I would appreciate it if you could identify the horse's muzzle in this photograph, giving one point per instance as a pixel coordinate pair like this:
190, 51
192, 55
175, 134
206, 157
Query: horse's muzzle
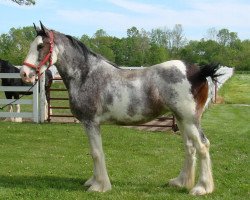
27, 75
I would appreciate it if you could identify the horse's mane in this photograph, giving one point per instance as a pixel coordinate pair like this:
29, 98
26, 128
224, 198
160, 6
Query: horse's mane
86, 51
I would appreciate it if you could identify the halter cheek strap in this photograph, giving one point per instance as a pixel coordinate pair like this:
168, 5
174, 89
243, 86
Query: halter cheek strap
47, 58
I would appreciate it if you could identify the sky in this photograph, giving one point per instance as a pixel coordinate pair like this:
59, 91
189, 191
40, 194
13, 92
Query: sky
78, 17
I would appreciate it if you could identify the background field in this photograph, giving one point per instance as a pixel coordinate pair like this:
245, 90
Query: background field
52, 161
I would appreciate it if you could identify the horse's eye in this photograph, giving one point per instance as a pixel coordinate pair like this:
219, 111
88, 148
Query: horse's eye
40, 46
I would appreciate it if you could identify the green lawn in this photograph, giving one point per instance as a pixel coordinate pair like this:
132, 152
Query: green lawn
52, 161
237, 89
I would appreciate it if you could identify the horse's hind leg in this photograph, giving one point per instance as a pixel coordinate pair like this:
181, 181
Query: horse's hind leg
201, 144
195, 141
205, 183
186, 177
100, 181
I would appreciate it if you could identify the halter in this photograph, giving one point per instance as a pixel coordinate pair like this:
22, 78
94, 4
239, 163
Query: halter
47, 58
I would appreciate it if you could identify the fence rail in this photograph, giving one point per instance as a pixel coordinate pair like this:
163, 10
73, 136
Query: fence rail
34, 115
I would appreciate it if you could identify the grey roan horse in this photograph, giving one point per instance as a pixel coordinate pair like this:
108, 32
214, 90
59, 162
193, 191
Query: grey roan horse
99, 91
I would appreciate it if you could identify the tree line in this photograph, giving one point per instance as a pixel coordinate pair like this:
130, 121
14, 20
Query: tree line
145, 48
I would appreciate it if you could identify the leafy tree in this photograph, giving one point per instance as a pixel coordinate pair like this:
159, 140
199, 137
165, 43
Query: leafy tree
160, 37
211, 34
101, 43
201, 52
225, 37
156, 54
14, 46
145, 48
25, 2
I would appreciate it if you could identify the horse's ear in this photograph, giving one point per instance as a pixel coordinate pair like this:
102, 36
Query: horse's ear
36, 28
43, 28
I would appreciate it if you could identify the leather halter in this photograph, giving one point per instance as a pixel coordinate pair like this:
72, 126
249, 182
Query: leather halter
47, 58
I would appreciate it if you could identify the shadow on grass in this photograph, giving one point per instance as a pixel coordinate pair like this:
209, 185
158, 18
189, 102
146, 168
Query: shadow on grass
150, 188
42, 182
76, 184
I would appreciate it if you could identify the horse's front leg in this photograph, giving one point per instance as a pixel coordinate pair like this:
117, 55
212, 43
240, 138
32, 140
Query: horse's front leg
18, 110
10, 110
100, 181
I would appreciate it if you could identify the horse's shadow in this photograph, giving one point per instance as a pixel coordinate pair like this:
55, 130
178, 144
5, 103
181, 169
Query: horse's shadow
42, 182
74, 184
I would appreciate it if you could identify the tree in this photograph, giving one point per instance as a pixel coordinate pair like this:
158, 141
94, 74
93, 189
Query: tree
177, 40
137, 45
14, 46
225, 37
25, 2
156, 54
212, 34
102, 43
160, 37
243, 57
201, 52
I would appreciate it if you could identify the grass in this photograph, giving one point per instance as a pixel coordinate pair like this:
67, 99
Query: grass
52, 161
237, 89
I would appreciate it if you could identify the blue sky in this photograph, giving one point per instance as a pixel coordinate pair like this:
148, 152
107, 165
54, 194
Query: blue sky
78, 17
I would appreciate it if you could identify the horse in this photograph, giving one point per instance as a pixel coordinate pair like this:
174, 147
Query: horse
7, 67
100, 91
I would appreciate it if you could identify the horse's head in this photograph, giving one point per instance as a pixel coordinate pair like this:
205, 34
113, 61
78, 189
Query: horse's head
42, 54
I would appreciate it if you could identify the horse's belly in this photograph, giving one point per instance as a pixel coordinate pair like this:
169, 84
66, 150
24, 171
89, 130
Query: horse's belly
121, 117
130, 115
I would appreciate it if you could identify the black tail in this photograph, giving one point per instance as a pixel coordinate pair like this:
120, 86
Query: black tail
197, 75
209, 70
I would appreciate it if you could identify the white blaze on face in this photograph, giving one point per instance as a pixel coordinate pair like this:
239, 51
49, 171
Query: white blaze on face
27, 73
32, 56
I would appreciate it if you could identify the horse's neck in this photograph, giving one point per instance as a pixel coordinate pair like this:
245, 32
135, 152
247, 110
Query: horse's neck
73, 67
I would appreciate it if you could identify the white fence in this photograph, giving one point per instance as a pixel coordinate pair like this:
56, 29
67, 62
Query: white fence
37, 114
226, 73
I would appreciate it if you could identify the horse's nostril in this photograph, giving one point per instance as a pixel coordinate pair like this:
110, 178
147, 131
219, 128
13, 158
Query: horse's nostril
24, 75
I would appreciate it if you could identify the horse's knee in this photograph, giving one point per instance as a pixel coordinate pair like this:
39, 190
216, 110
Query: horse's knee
96, 154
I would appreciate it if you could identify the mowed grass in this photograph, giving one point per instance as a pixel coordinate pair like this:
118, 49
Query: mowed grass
52, 161
237, 89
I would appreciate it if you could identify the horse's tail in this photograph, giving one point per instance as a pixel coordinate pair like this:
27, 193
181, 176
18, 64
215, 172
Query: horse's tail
209, 70
199, 85
200, 74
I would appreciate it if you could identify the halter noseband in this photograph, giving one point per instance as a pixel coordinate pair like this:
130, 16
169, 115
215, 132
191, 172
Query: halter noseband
47, 58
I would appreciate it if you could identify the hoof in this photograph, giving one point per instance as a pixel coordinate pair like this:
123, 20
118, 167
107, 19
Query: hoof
97, 186
175, 182
89, 182
181, 183
200, 190
19, 120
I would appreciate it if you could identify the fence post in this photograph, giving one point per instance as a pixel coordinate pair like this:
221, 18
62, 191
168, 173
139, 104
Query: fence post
43, 102
35, 104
